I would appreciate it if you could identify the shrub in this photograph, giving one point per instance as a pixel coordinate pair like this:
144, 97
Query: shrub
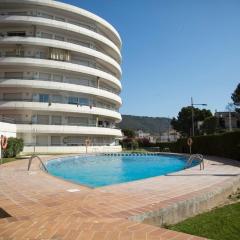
14, 147
129, 143
222, 145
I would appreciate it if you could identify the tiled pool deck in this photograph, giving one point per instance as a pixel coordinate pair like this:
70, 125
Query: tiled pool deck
42, 208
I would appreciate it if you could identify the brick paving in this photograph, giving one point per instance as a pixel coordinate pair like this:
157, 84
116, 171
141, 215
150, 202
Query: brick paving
42, 207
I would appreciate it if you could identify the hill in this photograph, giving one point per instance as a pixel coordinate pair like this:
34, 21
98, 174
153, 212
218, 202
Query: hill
152, 125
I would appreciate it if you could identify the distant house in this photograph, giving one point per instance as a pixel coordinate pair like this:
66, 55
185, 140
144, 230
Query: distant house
224, 119
140, 134
169, 136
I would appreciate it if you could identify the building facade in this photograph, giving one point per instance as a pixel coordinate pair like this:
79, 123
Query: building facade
228, 120
59, 76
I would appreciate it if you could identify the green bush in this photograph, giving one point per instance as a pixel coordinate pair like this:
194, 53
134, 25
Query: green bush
129, 143
222, 145
14, 147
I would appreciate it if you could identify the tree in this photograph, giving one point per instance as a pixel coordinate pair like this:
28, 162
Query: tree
183, 122
236, 98
128, 133
209, 125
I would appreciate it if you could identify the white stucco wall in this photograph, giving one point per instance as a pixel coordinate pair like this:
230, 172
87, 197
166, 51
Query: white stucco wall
8, 129
71, 149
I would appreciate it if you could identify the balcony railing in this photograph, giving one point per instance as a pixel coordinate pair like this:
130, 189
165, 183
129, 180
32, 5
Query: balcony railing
56, 18
46, 57
17, 121
98, 49
49, 103
52, 80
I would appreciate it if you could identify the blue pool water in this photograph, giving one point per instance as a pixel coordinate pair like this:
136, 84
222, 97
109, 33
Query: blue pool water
97, 171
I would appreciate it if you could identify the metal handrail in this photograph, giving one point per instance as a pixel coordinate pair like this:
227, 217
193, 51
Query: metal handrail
198, 157
36, 156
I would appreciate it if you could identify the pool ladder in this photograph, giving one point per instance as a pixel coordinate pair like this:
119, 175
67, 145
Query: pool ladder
198, 157
36, 156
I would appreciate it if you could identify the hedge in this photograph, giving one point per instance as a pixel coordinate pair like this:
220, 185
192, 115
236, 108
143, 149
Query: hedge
222, 145
14, 147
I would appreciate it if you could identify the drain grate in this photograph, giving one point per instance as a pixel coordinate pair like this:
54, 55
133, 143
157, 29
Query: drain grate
4, 214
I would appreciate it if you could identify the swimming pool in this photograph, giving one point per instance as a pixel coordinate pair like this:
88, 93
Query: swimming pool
102, 170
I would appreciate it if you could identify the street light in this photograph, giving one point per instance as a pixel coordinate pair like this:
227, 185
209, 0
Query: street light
195, 104
230, 108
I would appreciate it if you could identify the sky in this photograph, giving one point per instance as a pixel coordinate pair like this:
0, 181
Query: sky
174, 50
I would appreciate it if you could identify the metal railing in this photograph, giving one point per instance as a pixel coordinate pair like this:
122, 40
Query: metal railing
30, 162
196, 157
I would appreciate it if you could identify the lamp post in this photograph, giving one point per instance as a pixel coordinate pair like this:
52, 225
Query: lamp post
230, 109
192, 105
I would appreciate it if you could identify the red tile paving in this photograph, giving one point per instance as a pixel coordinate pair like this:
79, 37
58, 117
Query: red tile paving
42, 208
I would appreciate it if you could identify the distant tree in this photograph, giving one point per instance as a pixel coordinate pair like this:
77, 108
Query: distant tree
128, 133
183, 122
236, 98
209, 125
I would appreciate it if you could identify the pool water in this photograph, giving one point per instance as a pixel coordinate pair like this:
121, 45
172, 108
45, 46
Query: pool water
97, 171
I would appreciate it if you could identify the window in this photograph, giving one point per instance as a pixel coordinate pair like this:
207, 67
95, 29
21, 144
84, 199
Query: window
57, 78
44, 76
73, 120
11, 53
84, 101
12, 96
56, 120
73, 100
43, 97
19, 34
60, 38
59, 19
59, 54
42, 140
42, 119
46, 35
86, 44
45, 15
14, 75
55, 140
56, 98
17, 13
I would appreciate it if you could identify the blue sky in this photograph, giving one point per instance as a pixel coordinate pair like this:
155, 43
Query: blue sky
174, 49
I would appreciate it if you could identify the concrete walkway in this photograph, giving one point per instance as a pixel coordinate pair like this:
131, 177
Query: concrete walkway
45, 207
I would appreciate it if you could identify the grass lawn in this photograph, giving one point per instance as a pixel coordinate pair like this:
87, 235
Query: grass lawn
219, 224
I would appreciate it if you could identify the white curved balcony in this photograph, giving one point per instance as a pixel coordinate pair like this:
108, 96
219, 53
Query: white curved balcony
35, 41
58, 65
65, 129
59, 107
71, 9
61, 26
66, 87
